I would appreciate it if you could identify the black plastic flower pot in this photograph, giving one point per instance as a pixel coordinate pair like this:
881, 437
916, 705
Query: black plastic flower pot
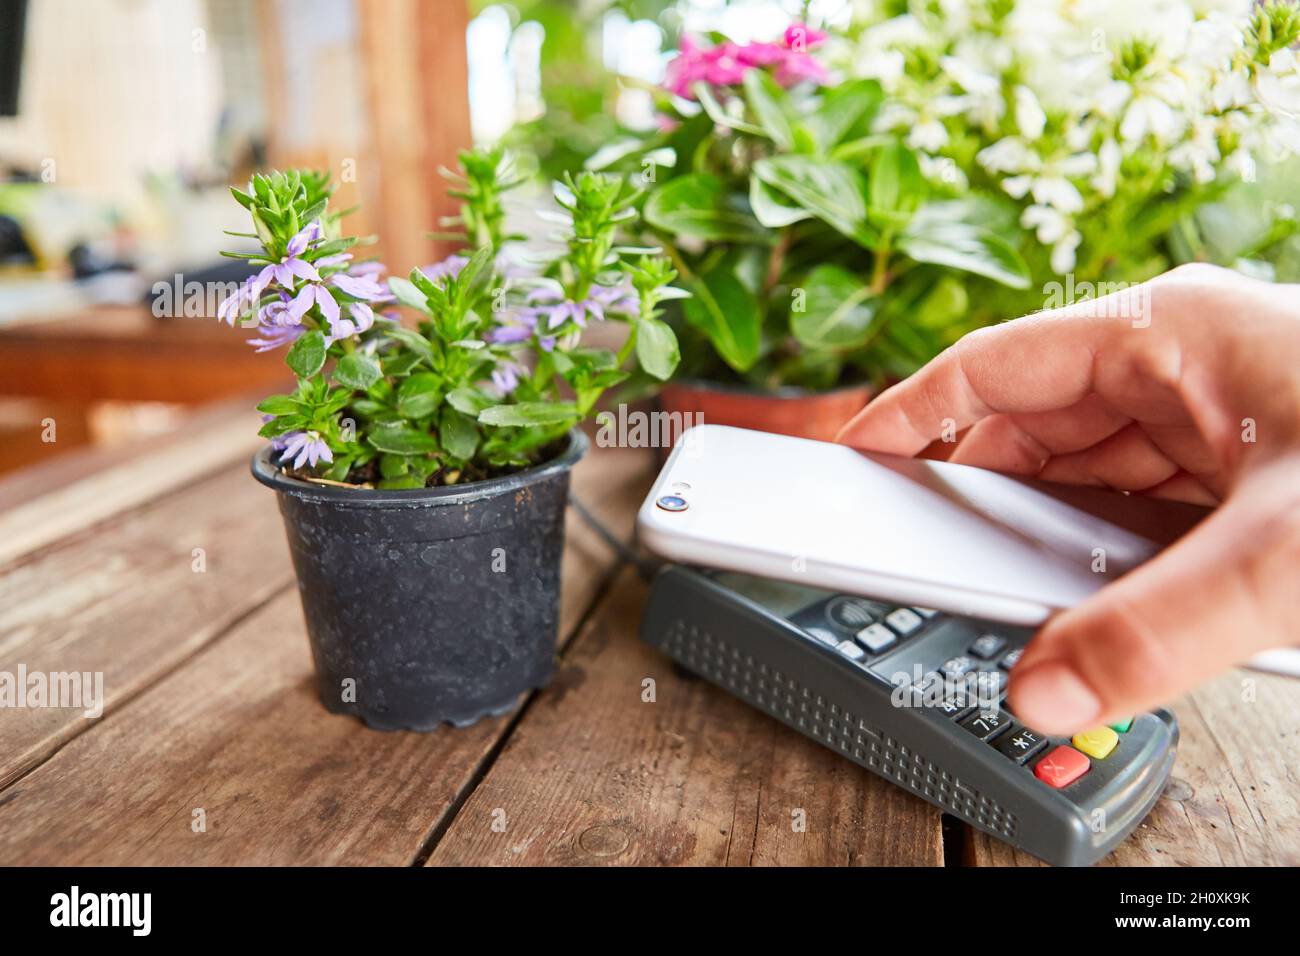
429, 605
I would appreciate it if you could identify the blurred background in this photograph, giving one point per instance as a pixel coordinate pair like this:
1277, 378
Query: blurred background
123, 122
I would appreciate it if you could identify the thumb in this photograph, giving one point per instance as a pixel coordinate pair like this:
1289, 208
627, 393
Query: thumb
1210, 601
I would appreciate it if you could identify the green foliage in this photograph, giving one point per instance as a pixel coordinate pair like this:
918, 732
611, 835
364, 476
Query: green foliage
492, 372
793, 227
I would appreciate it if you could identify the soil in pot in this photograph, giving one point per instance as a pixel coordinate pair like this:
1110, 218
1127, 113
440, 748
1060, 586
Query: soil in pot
793, 411
429, 605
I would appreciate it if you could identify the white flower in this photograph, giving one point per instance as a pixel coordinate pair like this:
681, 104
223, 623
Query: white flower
1058, 192
1230, 89
1212, 40
941, 169
1107, 175
1151, 115
1009, 155
1048, 182
1029, 114
1200, 152
970, 77
928, 135
1279, 86
1051, 228
883, 65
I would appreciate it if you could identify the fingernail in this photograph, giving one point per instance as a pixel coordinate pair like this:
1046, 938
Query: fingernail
1054, 699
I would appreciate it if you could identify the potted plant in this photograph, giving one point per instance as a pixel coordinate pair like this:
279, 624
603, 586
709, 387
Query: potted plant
820, 259
842, 207
1105, 130
422, 471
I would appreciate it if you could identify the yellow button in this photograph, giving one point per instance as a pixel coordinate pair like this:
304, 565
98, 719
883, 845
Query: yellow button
1096, 743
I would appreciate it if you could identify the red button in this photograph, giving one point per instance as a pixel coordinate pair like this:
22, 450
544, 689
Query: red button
1061, 767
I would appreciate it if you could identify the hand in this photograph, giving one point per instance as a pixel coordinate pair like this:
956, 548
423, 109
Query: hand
1185, 387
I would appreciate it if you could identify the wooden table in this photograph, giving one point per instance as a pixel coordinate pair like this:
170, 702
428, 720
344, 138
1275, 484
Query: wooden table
213, 748
68, 365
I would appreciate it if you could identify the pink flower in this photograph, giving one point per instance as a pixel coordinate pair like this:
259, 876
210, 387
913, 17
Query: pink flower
800, 37
798, 67
762, 54
727, 63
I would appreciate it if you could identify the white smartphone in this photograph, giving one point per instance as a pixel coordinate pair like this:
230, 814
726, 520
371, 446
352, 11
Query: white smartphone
917, 532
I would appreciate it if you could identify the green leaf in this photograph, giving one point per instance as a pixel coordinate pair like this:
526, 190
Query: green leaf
402, 440
965, 247
698, 205
394, 466
338, 471
772, 208
838, 310
401, 483
285, 423
279, 405
944, 303
764, 98
728, 313
845, 110
833, 192
529, 413
357, 370
413, 340
399, 363
307, 355
713, 109
471, 401
656, 348
474, 269
897, 186
407, 294
419, 395
459, 433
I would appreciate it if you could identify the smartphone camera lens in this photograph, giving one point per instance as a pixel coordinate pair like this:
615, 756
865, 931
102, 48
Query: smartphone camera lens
672, 503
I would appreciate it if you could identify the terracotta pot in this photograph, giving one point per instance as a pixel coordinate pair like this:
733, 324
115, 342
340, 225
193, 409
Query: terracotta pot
786, 411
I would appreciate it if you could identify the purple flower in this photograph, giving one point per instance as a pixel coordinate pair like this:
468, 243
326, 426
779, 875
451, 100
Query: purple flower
363, 317
616, 298
506, 376
308, 446
450, 266
249, 294
238, 302
278, 441
277, 312
516, 328
291, 265
557, 311
314, 293
272, 336
556, 314
358, 286
329, 262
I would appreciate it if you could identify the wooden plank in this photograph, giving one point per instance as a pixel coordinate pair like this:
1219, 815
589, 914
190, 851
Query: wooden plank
237, 731
60, 469
124, 599
191, 456
126, 354
1233, 798
596, 775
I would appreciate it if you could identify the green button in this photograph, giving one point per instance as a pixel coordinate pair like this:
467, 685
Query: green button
1122, 726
